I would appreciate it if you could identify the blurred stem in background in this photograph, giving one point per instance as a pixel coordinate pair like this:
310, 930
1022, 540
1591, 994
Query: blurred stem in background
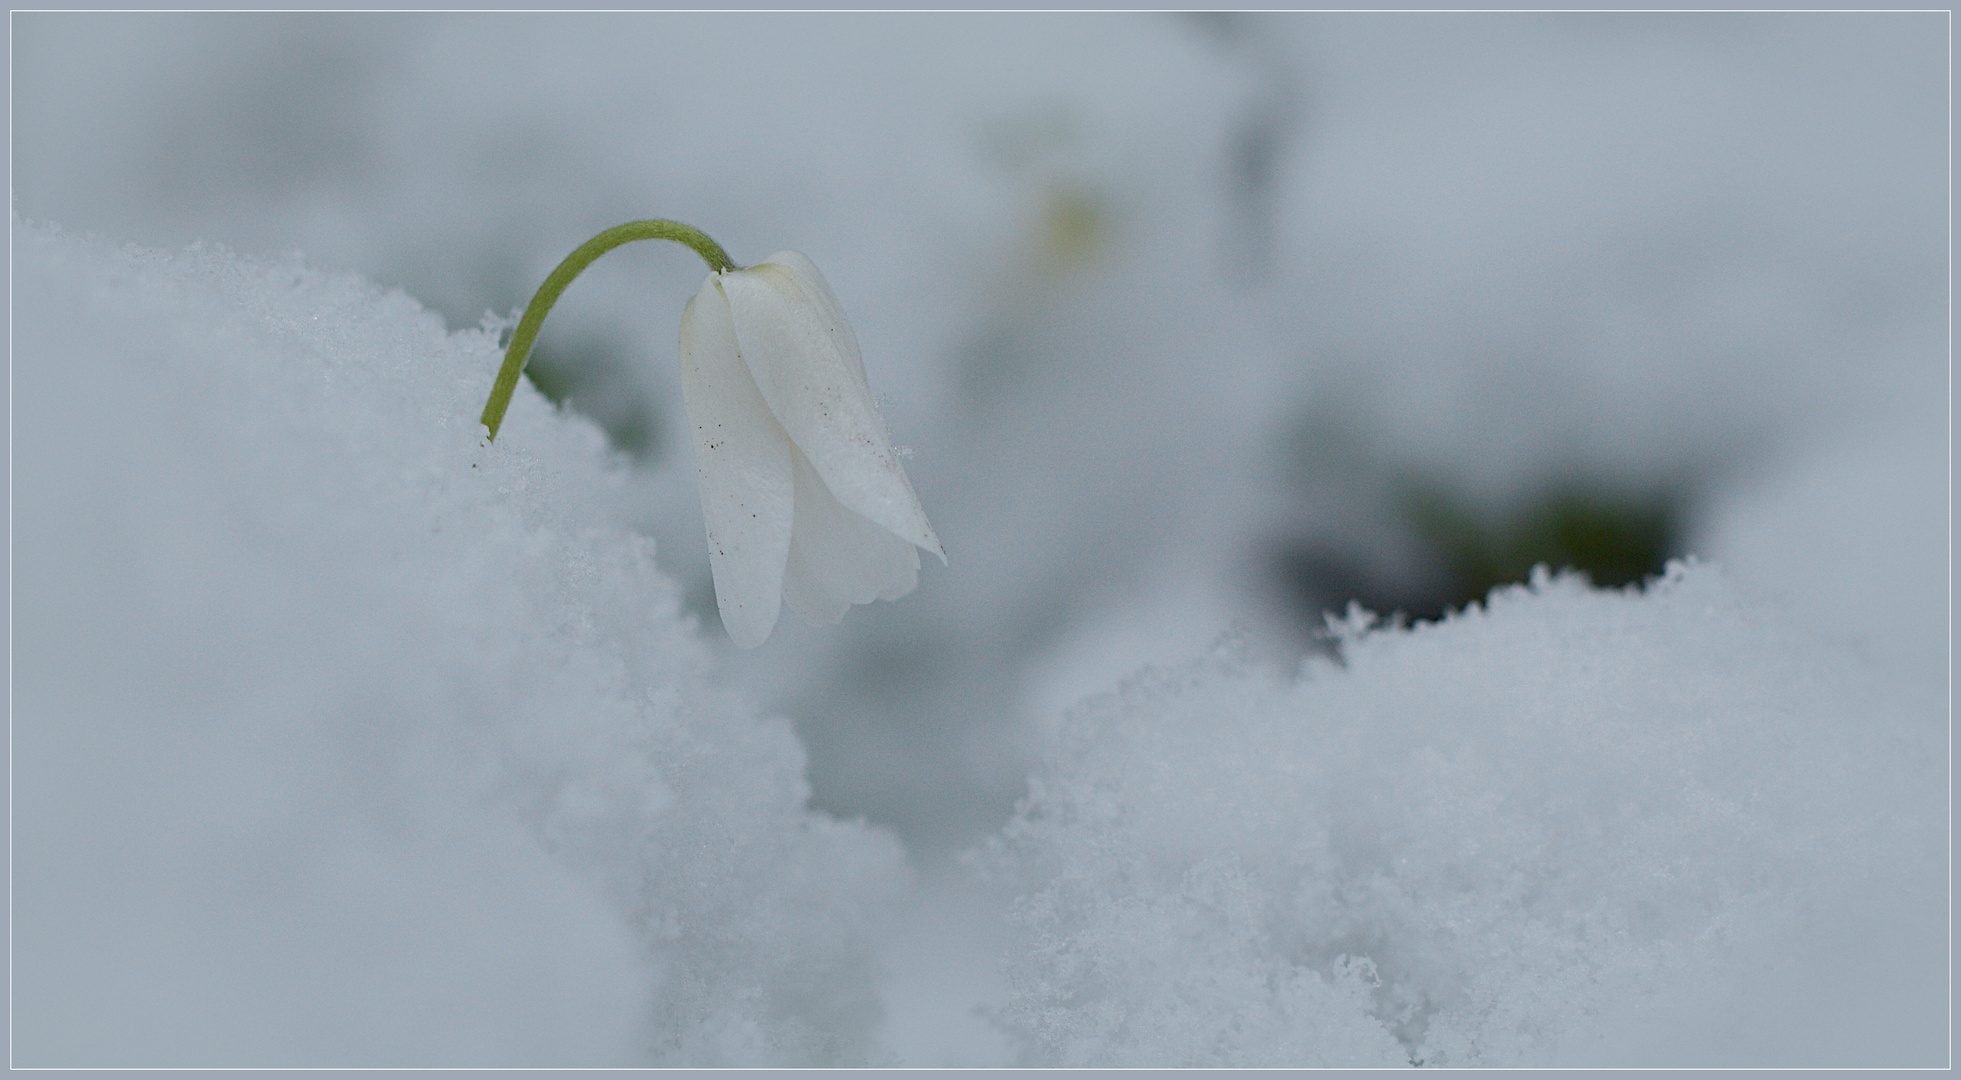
1270, 129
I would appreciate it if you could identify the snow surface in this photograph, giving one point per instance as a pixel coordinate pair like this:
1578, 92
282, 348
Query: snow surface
1577, 827
1153, 298
343, 739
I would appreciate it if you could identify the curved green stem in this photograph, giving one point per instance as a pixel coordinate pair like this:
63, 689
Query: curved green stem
547, 295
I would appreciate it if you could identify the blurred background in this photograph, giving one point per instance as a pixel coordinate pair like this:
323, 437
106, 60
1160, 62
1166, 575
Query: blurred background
1196, 325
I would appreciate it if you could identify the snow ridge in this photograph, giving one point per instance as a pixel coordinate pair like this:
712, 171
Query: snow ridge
1573, 827
344, 739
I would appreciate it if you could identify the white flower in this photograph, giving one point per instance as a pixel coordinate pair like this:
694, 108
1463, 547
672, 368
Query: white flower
805, 501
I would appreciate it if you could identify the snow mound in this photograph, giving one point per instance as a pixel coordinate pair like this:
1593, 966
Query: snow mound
1574, 826
341, 738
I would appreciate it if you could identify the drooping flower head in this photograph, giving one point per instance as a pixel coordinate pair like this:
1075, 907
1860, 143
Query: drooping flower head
804, 498
805, 501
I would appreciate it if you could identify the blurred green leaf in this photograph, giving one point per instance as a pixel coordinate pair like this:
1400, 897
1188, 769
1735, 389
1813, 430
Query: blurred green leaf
1614, 536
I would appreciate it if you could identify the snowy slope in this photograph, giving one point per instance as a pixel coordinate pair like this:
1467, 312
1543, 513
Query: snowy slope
1580, 827
343, 739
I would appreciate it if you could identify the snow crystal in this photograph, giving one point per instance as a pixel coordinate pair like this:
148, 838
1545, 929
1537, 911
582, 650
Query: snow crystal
1578, 827
342, 738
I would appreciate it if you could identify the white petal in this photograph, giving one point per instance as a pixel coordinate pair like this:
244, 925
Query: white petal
805, 361
846, 554
742, 460
805, 596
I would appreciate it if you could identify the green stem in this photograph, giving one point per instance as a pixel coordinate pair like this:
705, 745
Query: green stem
547, 295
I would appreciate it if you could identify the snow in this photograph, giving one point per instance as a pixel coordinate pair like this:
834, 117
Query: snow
1577, 827
1158, 303
343, 739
